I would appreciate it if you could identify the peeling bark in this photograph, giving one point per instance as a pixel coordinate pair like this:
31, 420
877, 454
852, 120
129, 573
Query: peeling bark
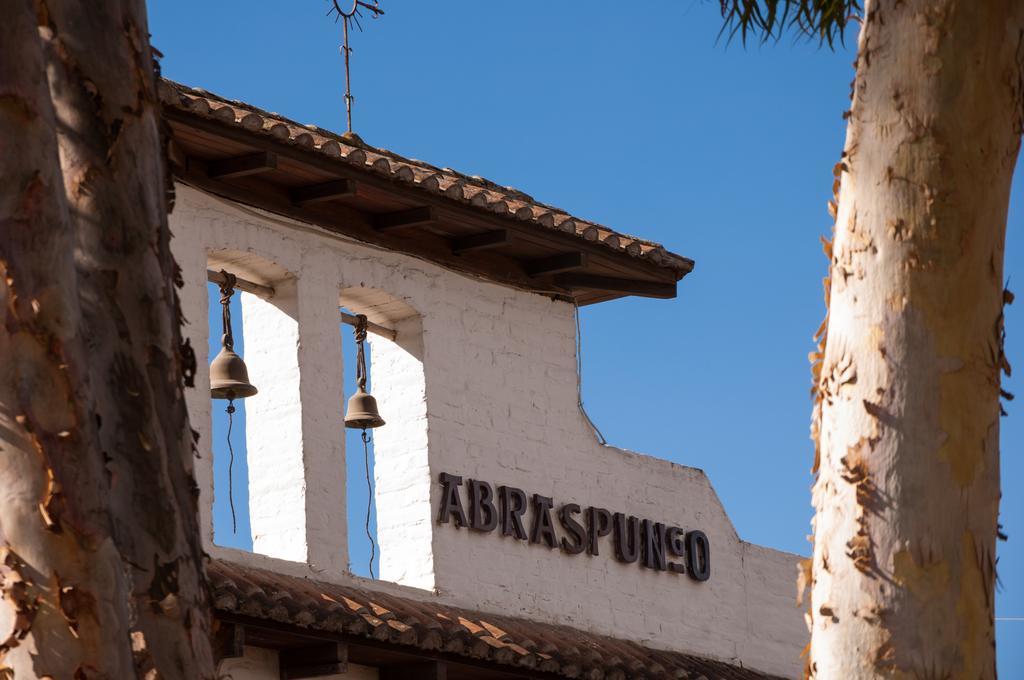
101, 572
908, 370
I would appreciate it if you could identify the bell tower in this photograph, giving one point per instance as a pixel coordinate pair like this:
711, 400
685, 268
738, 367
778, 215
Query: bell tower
492, 492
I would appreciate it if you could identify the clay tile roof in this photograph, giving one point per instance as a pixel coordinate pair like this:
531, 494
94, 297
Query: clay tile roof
429, 626
466, 189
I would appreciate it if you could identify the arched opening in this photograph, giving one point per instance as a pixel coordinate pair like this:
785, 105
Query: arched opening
231, 526
395, 462
242, 442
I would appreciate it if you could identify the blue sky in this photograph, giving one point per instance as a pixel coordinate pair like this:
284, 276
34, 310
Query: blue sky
641, 120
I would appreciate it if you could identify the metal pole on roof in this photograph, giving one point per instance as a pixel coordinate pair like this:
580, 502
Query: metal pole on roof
352, 14
348, 78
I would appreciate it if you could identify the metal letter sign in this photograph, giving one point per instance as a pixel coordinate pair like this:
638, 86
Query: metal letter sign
634, 540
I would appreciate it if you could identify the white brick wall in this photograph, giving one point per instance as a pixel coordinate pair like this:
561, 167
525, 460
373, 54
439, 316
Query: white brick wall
273, 441
401, 456
488, 391
294, 435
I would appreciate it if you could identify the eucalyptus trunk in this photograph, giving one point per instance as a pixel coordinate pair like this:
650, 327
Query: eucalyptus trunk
908, 373
101, 569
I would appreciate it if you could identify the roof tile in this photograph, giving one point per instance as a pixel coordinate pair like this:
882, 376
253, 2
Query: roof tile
473, 189
429, 625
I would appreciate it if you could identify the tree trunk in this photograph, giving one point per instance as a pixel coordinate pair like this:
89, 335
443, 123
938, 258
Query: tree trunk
102, 572
907, 415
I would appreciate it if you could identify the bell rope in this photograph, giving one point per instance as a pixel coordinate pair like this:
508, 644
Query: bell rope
360, 335
227, 289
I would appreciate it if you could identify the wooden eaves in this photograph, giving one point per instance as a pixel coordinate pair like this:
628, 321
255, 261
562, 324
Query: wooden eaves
467, 224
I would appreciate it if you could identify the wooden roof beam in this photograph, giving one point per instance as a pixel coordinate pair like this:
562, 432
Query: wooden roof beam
325, 191
554, 264
404, 219
483, 241
258, 289
314, 661
228, 641
419, 670
341, 218
241, 166
335, 167
610, 284
175, 154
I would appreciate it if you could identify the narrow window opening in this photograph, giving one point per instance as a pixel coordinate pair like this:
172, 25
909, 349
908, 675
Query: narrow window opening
230, 472
361, 511
399, 506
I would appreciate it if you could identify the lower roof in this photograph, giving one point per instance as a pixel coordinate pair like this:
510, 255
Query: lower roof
512, 647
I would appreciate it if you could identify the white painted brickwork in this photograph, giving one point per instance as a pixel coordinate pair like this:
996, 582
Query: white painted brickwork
482, 384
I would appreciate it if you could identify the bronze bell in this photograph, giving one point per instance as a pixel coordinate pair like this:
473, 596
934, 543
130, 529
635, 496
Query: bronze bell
362, 413
229, 379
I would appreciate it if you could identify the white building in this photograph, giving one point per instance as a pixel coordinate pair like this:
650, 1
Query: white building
513, 544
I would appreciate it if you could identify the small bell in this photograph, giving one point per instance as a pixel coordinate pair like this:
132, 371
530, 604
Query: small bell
362, 412
229, 379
